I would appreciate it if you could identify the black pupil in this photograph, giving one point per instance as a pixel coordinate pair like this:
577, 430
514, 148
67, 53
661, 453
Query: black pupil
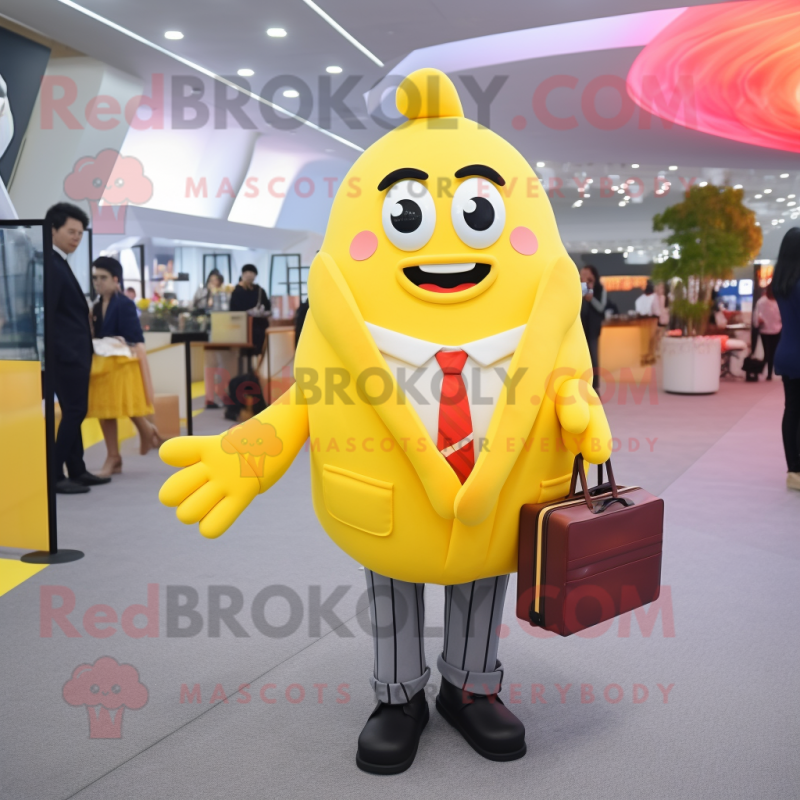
409, 219
482, 217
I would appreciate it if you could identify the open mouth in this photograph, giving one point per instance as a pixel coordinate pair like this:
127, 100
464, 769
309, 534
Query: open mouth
447, 278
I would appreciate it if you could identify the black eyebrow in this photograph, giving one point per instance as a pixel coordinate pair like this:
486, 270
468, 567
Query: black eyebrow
481, 171
402, 174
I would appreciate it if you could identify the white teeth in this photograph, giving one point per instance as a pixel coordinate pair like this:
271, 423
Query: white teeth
446, 269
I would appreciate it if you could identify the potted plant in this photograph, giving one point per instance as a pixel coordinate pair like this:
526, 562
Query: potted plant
712, 233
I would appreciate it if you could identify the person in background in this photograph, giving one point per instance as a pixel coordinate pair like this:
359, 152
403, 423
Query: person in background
768, 322
786, 288
130, 292
118, 386
72, 360
250, 297
204, 296
593, 310
647, 304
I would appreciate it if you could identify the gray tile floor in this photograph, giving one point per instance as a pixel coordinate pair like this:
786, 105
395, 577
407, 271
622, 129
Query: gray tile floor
728, 729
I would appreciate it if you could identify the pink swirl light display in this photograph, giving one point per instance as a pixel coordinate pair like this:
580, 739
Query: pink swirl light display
731, 70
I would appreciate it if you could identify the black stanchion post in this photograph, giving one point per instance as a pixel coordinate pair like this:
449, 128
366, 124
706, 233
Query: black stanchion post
189, 423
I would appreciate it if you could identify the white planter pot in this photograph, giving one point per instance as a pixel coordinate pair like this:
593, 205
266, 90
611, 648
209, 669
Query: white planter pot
691, 364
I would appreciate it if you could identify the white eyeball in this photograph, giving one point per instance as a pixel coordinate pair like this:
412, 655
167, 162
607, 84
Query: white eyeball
409, 215
478, 212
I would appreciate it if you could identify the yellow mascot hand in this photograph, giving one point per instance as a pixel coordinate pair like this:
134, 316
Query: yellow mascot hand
222, 474
583, 421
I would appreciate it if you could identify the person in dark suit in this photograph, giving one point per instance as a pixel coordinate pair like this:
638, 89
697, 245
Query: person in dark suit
593, 310
72, 360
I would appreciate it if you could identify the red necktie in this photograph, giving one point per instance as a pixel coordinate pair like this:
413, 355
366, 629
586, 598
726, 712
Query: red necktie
455, 420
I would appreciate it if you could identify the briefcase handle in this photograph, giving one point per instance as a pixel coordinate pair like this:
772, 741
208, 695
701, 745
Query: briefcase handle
594, 506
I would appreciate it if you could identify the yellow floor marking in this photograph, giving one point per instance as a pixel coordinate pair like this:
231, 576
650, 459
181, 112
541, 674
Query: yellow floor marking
13, 573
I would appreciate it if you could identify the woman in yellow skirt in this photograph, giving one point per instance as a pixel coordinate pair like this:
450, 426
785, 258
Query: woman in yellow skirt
120, 384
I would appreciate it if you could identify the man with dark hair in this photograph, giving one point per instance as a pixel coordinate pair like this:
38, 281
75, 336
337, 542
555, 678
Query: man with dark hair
72, 361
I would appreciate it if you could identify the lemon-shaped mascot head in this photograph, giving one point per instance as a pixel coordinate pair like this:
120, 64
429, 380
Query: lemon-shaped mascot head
441, 228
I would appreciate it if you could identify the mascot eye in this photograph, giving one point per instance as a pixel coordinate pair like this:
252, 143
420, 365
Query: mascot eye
119, 182
116, 688
94, 688
409, 215
478, 213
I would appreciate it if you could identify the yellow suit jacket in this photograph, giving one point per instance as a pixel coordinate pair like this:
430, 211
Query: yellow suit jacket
380, 488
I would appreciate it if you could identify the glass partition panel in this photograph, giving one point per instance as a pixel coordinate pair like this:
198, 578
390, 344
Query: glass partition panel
21, 292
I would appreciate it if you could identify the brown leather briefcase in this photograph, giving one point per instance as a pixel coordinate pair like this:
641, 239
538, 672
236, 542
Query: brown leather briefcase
590, 556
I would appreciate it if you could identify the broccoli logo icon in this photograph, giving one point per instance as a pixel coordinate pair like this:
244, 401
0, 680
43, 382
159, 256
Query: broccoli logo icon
253, 442
106, 688
115, 180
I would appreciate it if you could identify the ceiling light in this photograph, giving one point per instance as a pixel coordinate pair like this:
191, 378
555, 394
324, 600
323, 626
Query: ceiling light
634, 166
614, 188
622, 203
738, 186
590, 180
585, 195
173, 35
767, 191
672, 169
606, 251
577, 204
333, 70
781, 220
540, 164
595, 250
245, 73
703, 183
758, 196
785, 175
276, 33
621, 191
791, 196
792, 203
205, 71
291, 93
781, 200
337, 27
619, 249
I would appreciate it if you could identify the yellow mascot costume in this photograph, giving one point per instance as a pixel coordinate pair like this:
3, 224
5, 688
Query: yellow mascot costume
444, 380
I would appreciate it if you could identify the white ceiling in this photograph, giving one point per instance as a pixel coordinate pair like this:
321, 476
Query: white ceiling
226, 36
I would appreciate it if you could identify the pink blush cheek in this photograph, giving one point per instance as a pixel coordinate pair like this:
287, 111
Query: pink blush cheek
363, 246
524, 241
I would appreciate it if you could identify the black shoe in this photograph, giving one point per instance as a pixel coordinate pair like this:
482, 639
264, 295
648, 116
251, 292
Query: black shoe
66, 486
487, 725
232, 414
388, 743
212, 404
87, 479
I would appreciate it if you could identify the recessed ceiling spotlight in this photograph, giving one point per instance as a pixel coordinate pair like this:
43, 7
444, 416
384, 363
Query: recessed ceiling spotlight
791, 196
590, 180
619, 249
291, 93
245, 73
622, 203
276, 33
758, 196
767, 191
785, 175
173, 35
703, 183
672, 169
595, 250
634, 166
606, 251
781, 200
333, 70
791, 203
540, 164
738, 186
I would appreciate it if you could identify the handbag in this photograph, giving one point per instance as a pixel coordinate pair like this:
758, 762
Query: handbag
590, 556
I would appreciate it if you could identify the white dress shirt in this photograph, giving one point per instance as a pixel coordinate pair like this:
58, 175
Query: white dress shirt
60, 252
417, 372
647, 305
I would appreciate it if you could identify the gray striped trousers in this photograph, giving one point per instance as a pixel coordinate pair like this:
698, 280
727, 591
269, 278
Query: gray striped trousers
472, 616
